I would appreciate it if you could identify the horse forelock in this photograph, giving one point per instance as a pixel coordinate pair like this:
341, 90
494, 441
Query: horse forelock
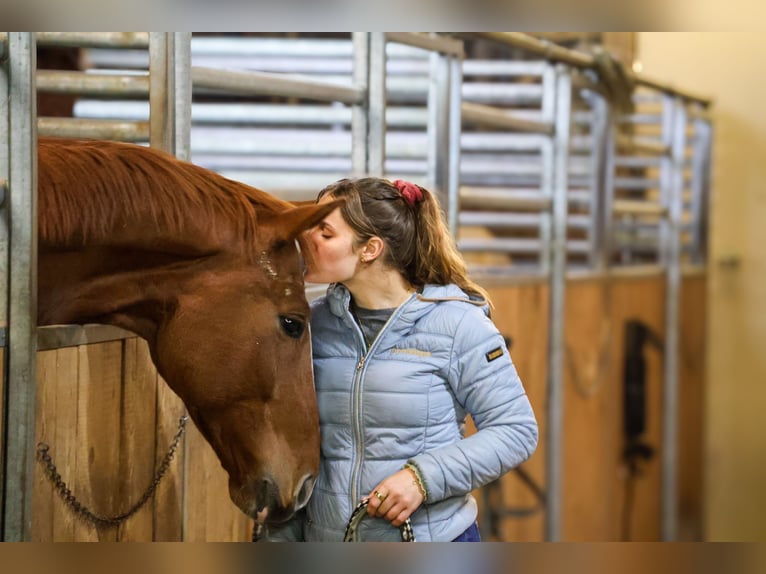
87, 189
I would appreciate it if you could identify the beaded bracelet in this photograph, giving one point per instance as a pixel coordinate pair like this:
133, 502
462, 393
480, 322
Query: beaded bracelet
418, 479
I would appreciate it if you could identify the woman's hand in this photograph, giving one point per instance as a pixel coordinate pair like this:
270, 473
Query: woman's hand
395, 498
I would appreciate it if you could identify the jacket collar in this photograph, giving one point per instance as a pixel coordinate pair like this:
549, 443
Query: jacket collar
339, 298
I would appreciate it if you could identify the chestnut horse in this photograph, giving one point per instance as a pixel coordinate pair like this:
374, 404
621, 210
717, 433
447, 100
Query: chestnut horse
208, 271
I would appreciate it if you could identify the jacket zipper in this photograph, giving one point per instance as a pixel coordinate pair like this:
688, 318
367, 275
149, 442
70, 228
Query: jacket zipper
357, 398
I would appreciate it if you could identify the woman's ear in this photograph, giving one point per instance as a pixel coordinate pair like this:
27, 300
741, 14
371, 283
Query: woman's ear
372, 249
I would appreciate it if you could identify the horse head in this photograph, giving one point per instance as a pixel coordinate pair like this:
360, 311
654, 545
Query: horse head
254, 403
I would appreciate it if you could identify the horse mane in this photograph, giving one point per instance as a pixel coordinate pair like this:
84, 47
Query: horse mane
89, 187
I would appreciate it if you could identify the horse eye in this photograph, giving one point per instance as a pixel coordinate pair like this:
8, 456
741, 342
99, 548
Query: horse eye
291, 326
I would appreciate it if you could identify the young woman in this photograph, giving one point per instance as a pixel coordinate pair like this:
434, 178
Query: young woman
403, 350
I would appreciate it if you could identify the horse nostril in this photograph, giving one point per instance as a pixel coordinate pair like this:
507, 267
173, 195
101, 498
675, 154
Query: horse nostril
265, 493
304, 492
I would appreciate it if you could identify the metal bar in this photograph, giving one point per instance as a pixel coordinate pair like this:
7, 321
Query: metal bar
666, 176
455, 129
376, 105
517, 246
182, 92
120, 130
133, 40
161, 76
547, 164
544, 48
359, 122
641, 145
669, 89
700, 156
439, 129
81, 84
4, 177
554, 466
635, 207
501, 219
22, 314
488, 116
503, 199
637, 183
441, 44
672, 328
600, 164
265, 84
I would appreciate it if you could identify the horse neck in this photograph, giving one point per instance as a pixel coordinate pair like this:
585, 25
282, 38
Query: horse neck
129, 289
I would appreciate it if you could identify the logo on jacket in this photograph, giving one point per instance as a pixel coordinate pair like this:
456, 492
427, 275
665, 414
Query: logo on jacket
417, 352
494, 354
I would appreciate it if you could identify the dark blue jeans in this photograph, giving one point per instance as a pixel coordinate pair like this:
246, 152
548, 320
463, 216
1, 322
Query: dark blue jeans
470, 535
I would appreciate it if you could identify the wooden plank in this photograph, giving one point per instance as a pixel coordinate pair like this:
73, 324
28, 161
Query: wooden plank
65, 439
168, 508
45, 428
137, 444
592, 400
98, 435
691, 424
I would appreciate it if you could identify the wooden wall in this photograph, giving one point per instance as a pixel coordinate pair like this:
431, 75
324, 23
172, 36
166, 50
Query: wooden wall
597, 490
109, 419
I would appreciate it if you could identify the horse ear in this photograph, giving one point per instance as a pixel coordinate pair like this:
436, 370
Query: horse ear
291, 223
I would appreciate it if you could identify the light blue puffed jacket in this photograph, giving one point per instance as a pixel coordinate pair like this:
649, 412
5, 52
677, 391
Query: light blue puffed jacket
438, 357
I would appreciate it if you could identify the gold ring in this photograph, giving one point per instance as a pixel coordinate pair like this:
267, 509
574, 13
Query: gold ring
379, 496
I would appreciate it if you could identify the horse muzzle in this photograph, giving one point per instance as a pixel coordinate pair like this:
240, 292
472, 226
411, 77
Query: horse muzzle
267, 505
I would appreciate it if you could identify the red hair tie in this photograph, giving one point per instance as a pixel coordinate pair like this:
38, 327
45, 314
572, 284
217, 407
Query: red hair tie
411, 193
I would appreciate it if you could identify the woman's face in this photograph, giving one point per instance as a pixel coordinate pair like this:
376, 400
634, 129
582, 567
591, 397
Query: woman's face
334, 256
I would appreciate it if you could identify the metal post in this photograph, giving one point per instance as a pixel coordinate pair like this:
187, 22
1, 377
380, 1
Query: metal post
602, 160
170, 92
376, 105
558, 255
699, 189
606, 247
548, 114
455, 129
438, 127
359, 124
22, 312
672, 315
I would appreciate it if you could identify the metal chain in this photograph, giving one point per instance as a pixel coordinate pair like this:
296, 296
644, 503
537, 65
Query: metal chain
87, 514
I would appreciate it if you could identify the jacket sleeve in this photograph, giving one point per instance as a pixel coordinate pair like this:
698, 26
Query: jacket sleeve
485, 383
290, 531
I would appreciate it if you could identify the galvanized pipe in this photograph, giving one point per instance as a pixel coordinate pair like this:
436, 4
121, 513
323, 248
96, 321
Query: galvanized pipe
555, 411
669, 494
641, 145
455, 161
636, 207
503, 199
102, 85
376, 105
488, 116
18, 479
118, 130
441, 44
265, 84
130, 40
